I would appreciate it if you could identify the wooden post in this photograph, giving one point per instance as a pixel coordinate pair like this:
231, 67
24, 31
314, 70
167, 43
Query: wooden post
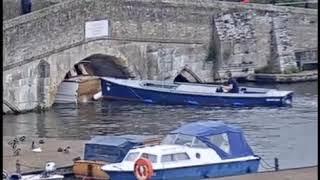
18, 166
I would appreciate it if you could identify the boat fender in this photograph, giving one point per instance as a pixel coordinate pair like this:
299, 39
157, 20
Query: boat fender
143, 169
97, 96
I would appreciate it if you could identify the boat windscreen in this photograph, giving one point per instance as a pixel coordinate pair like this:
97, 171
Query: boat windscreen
131, 156
169, 139
182, 139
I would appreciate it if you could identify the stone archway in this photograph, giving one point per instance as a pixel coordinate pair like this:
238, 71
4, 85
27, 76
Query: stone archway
106, 65
187, 75
82, 82
63, 62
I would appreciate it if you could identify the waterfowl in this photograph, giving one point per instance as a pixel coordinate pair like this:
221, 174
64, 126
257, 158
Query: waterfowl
17, 152
32, 145
37, 149
13, 146
34, 148
22, 138
14, 141
76, 159
67, 149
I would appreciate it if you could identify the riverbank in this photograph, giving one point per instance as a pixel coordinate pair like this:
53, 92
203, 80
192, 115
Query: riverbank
35, 161
302, 76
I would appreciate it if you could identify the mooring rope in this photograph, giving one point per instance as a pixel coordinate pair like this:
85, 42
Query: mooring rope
267, 164
136, 94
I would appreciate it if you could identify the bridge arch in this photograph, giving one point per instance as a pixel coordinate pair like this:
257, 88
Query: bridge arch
61, 63
186, 75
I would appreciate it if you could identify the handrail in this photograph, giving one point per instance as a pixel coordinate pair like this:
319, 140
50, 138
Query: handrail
12, 107
300, 2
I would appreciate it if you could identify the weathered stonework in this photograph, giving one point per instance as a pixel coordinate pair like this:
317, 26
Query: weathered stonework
12, 8
39, 80
235, 43
283, 58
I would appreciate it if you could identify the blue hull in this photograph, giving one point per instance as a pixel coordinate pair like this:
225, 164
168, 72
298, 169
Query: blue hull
196, 172
120, 92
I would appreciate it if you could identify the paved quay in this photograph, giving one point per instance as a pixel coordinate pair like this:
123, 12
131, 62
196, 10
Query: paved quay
307, 173
35, 161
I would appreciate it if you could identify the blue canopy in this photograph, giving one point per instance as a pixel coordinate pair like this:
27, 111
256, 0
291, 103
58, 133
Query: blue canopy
118, 141
109, 148
203, 130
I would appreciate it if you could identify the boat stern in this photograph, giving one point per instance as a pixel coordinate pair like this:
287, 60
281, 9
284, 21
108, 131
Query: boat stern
280, 98
119, 171
287, 98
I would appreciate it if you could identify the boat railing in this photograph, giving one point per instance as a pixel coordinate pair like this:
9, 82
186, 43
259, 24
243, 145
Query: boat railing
5, 174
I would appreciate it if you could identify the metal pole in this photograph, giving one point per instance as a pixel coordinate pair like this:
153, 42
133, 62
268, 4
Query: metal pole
276, 164
18, 166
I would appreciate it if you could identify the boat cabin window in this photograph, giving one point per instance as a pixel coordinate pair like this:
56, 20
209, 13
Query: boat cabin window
175, 157
132, 156
151, 157
222, 141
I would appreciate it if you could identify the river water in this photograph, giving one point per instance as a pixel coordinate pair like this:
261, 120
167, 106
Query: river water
288, 133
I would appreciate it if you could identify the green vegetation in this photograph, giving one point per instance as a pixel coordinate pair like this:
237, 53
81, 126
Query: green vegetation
291, 70
212, 54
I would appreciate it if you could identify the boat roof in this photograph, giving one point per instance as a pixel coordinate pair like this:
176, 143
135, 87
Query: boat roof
114, 140
206, 128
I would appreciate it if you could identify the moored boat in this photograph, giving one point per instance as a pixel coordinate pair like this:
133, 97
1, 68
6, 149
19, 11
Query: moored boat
170, 93
101, 150
78, 89
194, 151
48, 174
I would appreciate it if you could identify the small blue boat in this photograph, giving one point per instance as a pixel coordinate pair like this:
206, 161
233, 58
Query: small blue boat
203, 149
170, 93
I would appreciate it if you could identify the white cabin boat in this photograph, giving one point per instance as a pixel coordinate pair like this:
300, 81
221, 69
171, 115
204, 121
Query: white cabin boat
194, 151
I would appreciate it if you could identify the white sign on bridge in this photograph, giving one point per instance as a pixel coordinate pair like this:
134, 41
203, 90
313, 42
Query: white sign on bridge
95, 29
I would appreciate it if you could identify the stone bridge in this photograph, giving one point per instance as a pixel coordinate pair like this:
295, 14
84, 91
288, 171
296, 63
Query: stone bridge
149, 39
